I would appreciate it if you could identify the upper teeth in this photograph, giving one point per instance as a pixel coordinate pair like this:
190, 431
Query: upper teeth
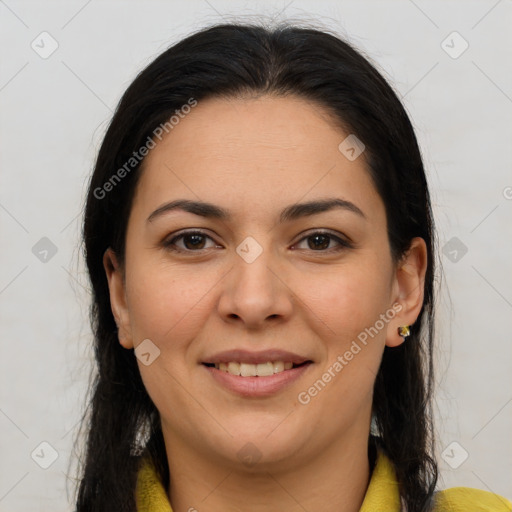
254, 370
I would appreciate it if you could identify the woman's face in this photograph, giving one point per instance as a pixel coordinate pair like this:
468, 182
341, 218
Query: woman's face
259, 288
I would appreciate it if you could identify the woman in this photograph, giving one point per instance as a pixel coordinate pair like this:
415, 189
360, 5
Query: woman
260, 243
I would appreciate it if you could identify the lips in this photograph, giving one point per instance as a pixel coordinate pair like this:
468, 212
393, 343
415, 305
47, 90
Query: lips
245, 356
256, 374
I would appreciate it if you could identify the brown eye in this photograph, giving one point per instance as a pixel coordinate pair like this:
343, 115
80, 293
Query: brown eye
320, 241
192, 241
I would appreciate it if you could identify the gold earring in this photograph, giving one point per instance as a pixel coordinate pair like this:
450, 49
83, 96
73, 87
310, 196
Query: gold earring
404, 331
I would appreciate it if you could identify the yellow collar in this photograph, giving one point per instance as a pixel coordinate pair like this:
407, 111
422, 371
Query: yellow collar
382, 491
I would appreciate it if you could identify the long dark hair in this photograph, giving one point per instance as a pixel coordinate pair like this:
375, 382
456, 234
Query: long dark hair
237, 60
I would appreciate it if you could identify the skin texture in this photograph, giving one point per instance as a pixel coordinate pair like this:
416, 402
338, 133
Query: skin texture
254, 157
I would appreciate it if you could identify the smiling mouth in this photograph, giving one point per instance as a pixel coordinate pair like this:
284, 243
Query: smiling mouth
255, 370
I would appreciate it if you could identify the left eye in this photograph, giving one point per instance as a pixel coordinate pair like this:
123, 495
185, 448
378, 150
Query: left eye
320, 241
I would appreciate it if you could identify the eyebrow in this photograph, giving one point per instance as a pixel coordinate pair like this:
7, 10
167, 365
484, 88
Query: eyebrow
291, 212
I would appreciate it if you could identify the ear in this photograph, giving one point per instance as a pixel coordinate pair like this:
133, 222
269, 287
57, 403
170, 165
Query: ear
408, 290
118, 303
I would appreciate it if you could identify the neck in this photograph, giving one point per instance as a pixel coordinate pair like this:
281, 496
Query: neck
333, 481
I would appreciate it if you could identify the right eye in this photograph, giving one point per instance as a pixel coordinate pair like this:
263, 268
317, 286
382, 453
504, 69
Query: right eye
193, 241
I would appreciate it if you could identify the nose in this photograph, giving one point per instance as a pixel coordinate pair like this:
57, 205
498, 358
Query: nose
255, 294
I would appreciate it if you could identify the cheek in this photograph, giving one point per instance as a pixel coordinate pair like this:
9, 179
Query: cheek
348, 299
168, 305
347, 304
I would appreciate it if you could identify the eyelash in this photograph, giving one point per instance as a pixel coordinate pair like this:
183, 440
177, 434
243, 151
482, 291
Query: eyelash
343, 244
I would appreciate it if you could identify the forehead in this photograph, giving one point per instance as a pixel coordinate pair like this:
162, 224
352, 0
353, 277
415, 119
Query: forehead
254, 153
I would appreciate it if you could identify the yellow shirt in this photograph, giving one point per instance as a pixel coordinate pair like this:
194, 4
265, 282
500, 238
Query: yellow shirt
381, 495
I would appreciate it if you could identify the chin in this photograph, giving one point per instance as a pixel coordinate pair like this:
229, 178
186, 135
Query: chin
260, 448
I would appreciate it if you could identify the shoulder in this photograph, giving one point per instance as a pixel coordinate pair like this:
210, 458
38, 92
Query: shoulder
463, 499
